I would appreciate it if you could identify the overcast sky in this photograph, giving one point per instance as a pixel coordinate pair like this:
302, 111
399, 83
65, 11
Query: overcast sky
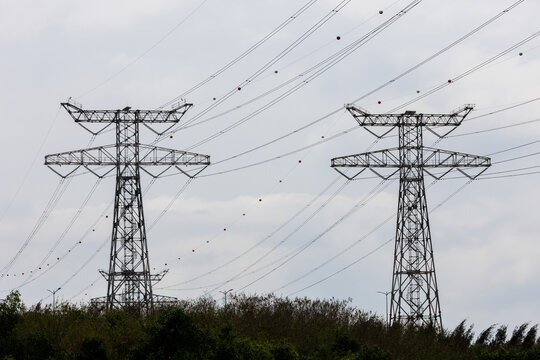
111, 54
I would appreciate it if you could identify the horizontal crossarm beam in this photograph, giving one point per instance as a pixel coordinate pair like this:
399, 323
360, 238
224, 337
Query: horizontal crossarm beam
148, 156
126, 115
409, 118
432, 158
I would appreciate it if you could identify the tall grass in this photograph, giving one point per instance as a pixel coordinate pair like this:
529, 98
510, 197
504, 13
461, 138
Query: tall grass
249, 327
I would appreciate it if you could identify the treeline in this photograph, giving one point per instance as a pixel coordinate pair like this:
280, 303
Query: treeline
263, 327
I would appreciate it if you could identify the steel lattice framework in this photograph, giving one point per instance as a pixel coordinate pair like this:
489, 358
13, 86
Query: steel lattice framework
414, 295
129, 278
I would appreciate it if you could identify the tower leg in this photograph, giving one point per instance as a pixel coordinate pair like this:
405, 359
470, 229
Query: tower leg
129, 280
415, 296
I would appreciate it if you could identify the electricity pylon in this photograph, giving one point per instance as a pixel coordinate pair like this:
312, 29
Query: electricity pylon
129, 278
415, 295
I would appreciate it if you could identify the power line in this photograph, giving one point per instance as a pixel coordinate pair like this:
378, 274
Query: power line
286, 238
267, 37
345, 33
82, 238
352, 245
138, 58
67, 228
469, 72
375, 191
273, 233
393, 80
170, 204
289, 153
86, 288
335, 136
379, 188
278, 229
514, 148
72, 276
495, 128
265, 67
33, 162
322, 67
377, 248
440, 52
504, 109
517, 158
326, 262
70, 250
509, 176
53, 201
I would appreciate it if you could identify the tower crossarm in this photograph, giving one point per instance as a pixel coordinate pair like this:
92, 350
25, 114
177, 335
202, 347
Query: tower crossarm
106, 155
102, 155
409, 118
126, 115
153, 155
438, 158
431, 158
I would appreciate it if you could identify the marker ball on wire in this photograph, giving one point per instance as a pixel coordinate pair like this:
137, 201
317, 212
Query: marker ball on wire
338, 37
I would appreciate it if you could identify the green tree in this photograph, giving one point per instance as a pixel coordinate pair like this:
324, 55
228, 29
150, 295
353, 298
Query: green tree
11, 310
173, 336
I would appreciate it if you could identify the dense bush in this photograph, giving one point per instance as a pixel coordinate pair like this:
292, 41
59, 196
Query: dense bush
259, 327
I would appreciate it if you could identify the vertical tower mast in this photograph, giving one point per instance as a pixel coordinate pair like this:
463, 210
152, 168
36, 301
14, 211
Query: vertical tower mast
129, 279
415, 294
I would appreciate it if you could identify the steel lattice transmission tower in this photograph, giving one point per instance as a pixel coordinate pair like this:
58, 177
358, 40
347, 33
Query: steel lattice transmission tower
129, 278
414, 295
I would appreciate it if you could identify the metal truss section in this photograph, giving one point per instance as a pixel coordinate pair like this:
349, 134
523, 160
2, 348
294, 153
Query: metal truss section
415, 294
126, 114
106, 155
129, 280
409, 118
436, 158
